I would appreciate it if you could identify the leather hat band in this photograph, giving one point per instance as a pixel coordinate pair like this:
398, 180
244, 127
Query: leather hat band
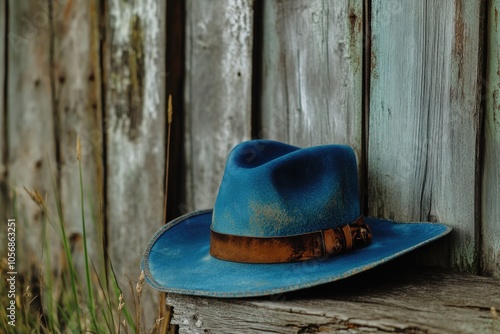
293, 248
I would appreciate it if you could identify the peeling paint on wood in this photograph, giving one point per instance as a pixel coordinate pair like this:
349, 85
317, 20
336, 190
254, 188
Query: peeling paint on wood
135, 130
490, 257
424, 119
78, 101
311, 90
30, 127
217, 92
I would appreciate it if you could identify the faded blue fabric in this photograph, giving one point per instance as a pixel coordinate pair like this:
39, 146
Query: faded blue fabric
274, 189
270, 189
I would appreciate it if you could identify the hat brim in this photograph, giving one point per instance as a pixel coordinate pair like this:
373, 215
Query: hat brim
177, 260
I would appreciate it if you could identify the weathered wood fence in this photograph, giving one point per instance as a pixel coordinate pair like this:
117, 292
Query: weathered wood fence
413, 86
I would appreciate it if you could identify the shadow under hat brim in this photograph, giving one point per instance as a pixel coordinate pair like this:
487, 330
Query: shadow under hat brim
177, 260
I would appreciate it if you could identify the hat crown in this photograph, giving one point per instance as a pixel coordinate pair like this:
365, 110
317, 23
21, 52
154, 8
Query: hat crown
275, 189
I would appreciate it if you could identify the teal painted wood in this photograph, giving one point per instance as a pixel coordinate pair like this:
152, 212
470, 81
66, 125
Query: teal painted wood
77, 87
30, 128
424, 119
490, 257
311, 91
218, 91
135, 137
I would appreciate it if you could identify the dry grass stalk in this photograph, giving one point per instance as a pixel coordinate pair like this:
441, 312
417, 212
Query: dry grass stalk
138, 287
36, 197
170, 109
78, 148
167, 156
157, 325
140, 284
163, 310
121, 305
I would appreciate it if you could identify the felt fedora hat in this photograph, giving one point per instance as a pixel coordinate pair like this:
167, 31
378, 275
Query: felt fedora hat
285, 218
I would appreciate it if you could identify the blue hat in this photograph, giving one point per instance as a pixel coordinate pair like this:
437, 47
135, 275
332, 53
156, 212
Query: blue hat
285, 218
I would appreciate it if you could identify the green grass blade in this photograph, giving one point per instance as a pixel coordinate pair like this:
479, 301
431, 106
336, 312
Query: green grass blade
85, 251
67, 252
48, 281
118, 291
106, 299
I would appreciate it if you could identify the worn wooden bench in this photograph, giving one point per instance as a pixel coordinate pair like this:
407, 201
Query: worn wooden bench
395, 297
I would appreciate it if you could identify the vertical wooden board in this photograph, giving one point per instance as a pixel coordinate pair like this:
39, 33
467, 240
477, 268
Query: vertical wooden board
30, 127
218, 91
424, 118
135, 137
490, 256
312, 72
78, 101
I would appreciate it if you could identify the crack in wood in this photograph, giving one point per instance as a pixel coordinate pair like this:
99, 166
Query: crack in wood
473, 307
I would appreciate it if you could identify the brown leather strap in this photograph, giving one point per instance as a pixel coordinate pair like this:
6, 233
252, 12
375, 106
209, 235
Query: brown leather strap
290, 248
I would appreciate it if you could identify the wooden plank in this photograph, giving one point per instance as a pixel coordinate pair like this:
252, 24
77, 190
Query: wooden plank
312, 72
490, 256
78, 100
135, 136
30, 124
218, 91
405, 301
424, 119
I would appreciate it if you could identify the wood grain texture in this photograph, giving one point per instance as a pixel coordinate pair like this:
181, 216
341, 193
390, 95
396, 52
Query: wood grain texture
218, 92
135, 136
78, 101
403, 302
311, 90
490, 232
424, 119
30, 124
